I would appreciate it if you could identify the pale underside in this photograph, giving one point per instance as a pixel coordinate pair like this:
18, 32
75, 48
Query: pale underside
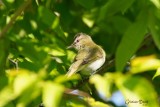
91, 68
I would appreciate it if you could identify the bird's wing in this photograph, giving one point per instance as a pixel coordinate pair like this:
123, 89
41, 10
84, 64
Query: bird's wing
75, 67
93, 55
77, 63
82, 59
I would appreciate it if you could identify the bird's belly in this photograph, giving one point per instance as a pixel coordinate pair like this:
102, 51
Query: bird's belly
96, 64
91, 68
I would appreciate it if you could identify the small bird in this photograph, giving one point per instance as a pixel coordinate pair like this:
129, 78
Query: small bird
90, 56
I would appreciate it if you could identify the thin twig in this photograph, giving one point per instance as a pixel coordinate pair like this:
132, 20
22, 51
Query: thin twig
16, 14
15, 63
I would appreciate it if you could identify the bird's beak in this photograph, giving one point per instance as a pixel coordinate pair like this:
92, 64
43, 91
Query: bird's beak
71, 46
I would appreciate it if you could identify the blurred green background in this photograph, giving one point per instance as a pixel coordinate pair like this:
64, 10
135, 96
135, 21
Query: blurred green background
34, 35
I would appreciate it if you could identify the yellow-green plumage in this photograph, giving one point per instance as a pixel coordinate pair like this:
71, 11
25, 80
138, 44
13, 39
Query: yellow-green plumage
89, 58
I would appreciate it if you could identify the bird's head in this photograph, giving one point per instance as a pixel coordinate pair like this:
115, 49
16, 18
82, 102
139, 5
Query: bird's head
81, 40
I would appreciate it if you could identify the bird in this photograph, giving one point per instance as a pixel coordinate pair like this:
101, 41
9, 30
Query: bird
90, 56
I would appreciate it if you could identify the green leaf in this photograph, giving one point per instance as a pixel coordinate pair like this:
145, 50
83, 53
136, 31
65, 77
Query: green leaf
31, 51
47, 17
52, 94
121, 23
113, 6
87, 4
157, 73
138, 90
154, 27
60, 34
131, 41
4, 81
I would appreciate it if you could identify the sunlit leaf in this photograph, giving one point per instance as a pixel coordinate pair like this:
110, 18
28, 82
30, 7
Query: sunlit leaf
88, 22
30, 94
37, 38
6, 95
61, 79
23, 80
52, 94
94, 103
102, 85
146, 63
156, 3
57, 52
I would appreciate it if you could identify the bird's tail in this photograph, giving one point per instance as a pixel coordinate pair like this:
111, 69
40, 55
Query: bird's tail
75, 67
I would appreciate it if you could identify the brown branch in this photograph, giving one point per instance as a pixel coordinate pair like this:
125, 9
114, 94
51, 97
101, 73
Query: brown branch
108, 64
16, 14
76, 92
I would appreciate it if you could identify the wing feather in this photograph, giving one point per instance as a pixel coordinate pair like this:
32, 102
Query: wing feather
75, 67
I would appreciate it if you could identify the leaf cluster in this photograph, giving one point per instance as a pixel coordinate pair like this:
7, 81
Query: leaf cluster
34, 35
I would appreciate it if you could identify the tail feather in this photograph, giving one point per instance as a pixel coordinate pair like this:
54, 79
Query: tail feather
70, 73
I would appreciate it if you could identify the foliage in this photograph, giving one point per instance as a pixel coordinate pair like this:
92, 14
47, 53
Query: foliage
34, 35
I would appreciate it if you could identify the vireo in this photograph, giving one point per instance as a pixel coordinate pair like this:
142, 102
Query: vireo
89, 58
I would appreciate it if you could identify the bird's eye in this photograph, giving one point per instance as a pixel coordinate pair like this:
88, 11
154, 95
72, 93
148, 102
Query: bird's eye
77, 41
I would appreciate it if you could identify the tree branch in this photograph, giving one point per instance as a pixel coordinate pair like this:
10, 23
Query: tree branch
76, 92
16, 14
